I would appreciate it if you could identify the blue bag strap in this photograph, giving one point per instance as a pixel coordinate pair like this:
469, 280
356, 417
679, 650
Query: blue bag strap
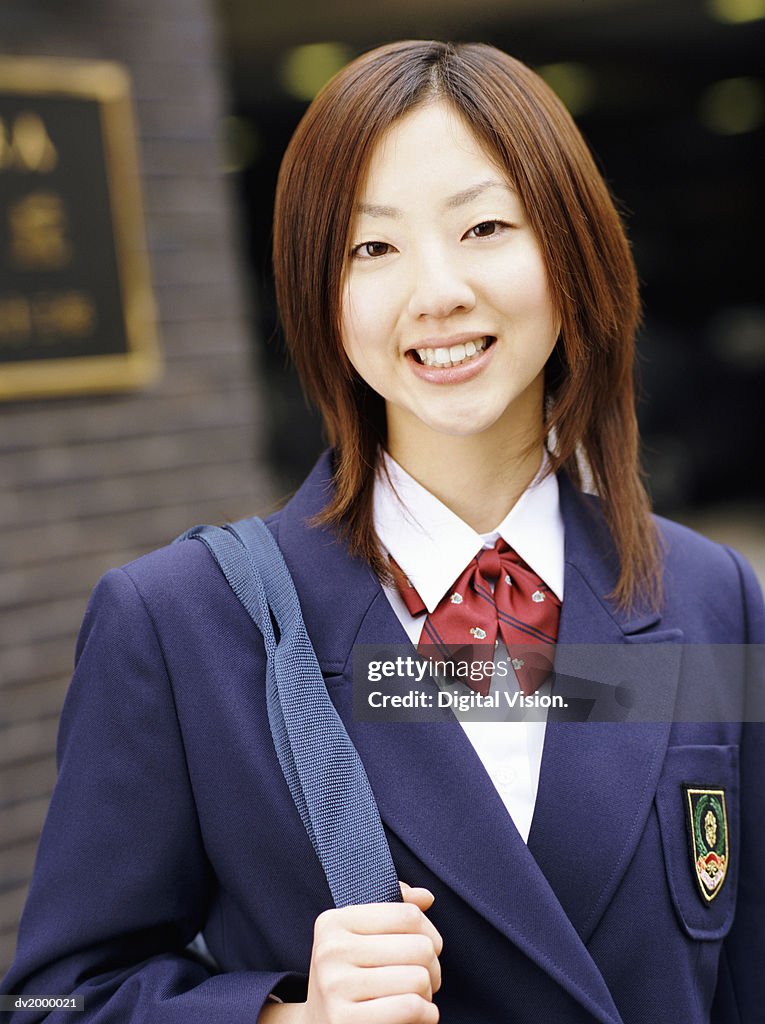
322, 767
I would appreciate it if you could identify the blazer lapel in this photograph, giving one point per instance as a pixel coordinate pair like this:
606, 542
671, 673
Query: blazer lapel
435, 794
598, 779
429, 784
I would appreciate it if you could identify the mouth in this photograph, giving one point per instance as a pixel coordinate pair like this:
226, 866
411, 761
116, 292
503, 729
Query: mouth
454, 355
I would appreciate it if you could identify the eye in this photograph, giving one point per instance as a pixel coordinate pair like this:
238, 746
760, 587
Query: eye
370, 250
487, 228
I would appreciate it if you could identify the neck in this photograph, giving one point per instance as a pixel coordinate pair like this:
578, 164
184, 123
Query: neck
476, 481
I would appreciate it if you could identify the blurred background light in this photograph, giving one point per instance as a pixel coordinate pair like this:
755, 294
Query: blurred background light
737, 335
736, 12
733, 106
241, 144
573, 83
306, 69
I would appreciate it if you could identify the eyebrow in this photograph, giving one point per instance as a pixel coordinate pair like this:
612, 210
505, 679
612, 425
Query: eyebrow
467, 195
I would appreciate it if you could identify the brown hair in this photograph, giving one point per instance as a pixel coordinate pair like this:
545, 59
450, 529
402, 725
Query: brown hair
589, 389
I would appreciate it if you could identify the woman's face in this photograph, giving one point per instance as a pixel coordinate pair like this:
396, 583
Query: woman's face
446, 310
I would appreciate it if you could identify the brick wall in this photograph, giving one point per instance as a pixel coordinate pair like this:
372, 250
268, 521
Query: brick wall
89, 483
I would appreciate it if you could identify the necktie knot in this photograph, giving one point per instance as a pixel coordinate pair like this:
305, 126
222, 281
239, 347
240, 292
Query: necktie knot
489, 561
498, 594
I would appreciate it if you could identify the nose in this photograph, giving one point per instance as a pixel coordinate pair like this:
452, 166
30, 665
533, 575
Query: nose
439, 286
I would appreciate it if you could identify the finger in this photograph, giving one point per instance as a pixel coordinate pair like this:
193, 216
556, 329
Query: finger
379, 982
423, 898
428, 928
402, 1009
335, 930
395, 951
375, 919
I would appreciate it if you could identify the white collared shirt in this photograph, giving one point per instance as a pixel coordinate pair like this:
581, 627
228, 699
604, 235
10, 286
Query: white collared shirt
433, 546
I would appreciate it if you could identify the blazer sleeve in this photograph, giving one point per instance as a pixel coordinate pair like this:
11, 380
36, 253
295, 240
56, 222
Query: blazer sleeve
121, 883
740, 996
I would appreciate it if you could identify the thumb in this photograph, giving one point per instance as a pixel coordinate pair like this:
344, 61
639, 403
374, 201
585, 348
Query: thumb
422, 898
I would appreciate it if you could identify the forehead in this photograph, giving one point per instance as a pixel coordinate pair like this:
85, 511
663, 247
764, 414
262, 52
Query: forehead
428, 148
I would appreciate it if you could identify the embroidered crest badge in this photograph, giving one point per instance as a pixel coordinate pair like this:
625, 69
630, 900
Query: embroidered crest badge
708, 833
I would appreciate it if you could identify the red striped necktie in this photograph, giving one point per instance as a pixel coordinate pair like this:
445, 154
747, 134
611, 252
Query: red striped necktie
497, 593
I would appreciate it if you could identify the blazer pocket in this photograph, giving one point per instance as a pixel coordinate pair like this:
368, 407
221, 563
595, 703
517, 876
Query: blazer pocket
697, 802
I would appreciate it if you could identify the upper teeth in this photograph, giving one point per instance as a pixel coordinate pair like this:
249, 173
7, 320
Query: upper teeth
451, 356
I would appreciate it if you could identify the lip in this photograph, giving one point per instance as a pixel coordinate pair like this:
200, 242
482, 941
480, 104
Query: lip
451, 374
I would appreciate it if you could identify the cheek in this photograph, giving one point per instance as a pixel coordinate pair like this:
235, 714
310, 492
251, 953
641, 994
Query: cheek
365, 322
519, 285
528, 298
359, 339
350, 325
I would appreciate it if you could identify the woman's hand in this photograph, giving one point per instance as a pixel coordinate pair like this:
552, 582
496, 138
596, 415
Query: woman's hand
372, 964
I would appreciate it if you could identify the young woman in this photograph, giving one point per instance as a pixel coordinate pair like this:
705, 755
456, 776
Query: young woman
460, 301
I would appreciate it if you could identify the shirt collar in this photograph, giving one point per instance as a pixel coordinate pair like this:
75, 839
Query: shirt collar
432, 545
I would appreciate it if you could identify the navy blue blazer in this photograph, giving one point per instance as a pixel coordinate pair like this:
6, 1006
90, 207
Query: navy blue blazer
171, 816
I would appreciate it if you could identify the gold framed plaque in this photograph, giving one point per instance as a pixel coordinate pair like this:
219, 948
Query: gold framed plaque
76, 305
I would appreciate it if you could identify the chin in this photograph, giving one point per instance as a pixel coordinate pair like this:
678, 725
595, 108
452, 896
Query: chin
461, 425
